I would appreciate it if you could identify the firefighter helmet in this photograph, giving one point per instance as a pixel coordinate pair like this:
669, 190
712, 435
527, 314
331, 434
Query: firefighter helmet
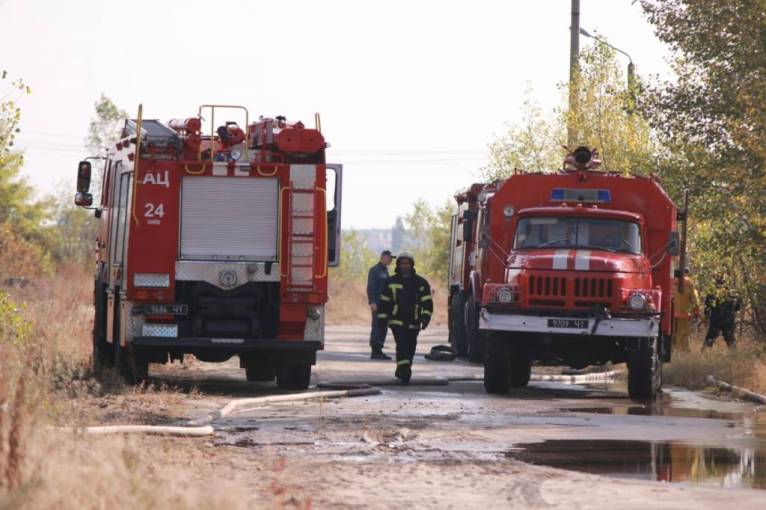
406, 255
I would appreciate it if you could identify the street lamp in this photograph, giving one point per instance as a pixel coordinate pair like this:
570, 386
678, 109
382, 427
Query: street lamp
631, 68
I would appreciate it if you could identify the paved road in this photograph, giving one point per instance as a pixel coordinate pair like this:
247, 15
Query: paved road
549, 445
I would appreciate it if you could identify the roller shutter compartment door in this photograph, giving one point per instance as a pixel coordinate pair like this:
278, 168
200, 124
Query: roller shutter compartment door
229, 218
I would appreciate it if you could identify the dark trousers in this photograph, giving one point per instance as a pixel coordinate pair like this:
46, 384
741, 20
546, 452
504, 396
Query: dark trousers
406, 343
716, 329
377, 332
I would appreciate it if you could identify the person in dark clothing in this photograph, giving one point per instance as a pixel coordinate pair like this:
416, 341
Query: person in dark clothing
406, 306
721, 307
376, 281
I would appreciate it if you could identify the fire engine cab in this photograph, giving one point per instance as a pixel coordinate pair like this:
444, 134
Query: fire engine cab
570, 268
214, 242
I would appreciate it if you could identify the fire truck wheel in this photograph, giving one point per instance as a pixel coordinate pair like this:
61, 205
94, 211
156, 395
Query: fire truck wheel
257, 372
131, 367
457, 324
644, 370
521, 368
102, 352
497, 367
476, 343
293, 377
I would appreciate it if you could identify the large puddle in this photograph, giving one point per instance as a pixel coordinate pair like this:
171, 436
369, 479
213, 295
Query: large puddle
674, 461
667, 462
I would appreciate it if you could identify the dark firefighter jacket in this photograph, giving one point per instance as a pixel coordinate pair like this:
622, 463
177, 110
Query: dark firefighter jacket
406, 301
721, 308
376, 282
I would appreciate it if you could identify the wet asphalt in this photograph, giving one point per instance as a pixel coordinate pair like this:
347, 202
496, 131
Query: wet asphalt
682, 437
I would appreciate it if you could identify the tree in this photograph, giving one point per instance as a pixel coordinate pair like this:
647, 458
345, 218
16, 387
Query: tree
73, 237
431, 227
712, 120
105, 127
356, 258
601, 120
104, 131
18, 208
533, 145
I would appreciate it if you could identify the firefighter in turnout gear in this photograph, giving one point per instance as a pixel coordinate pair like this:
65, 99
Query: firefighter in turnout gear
721, 307
686, 306
406, 306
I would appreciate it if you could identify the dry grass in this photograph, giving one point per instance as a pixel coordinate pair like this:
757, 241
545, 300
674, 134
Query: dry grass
348, 304
745, 367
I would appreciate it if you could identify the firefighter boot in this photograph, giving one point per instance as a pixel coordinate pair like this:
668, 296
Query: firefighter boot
403, 371
377, 353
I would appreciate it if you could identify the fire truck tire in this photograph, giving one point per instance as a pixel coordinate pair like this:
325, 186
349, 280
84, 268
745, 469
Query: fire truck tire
258, 372
102, 352
497, 367
521, 368
294, 377
644, 370
476, 343
457, 325
130, 366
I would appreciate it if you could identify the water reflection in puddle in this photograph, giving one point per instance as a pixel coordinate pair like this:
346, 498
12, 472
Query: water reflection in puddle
687, 404
669, 462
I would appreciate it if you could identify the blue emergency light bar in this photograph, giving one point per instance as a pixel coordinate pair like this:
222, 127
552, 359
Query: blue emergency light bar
589, 196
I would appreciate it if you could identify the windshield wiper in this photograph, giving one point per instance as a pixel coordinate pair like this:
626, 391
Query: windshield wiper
550, 242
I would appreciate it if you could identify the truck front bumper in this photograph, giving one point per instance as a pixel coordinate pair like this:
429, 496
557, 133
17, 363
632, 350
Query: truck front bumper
234, 344
613, 327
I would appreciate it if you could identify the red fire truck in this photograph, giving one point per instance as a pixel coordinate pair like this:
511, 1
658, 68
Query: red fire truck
215, 244
570, 268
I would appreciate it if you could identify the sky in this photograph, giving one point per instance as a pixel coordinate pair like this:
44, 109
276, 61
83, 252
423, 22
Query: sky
410, 92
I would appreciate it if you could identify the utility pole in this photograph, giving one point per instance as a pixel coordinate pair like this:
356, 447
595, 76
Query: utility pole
574, 64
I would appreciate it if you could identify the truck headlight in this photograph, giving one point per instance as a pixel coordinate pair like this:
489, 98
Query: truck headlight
637, 301
151, 280
505, 295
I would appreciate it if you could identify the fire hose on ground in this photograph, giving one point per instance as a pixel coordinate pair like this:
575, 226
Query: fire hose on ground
736, 390
203, 426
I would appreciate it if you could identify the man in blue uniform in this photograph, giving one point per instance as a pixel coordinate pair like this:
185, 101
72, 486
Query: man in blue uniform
376, 281
406, 306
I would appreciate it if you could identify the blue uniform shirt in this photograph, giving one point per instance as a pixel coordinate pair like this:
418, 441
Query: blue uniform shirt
376, 282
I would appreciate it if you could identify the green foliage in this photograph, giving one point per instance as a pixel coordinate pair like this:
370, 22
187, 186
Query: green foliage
17, 204
712, 120
105, 126
14, 329
601, 120
356, 258
533, 145
73, 237
431, 226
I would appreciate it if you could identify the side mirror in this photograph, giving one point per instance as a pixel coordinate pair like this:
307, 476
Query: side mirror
467, 229
674, 244
83, 177
83, 199
468, 218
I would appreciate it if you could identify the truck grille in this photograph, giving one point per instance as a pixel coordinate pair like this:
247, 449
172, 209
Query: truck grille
547, 286
580, 292
593, 288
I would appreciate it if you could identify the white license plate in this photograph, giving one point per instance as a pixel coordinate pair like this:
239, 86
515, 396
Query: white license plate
568, 323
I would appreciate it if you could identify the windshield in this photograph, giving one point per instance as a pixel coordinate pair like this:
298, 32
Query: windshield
572, 232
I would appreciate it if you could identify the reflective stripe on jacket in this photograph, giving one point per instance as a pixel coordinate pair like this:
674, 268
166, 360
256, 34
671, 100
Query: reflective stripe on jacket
405, 301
